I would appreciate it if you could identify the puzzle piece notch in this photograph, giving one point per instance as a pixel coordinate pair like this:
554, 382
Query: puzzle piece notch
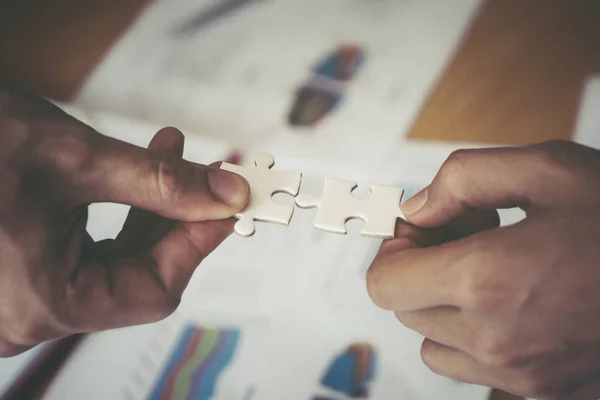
337, 205
264, 183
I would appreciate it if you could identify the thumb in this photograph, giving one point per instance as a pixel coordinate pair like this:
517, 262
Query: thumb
480, 179
160, 182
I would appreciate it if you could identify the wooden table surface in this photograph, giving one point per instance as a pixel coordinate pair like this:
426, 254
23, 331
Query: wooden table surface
516, 78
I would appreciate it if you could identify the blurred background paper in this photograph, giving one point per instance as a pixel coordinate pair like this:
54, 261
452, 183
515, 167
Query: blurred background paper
12, 368
587, 130
332, 79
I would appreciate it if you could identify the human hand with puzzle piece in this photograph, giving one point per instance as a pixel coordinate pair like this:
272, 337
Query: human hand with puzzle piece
513, 307
337, 205
54, 170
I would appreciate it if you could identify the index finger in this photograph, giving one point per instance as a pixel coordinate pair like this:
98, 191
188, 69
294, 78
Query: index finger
160, 182
538, 176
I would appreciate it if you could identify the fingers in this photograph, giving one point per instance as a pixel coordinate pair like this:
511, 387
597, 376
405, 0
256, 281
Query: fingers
392, 266
481, 179
142, 228
455, 364
405, 277
465, 225
120, 289
445, 325
181, 251
408, 236
140, 276
471, 222
459, 273
410, 280
160, 182
168, 140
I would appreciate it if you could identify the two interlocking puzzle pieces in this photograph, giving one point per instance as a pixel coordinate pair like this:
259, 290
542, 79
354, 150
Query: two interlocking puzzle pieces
337, 205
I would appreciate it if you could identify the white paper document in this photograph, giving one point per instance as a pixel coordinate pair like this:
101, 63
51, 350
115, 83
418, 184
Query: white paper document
236, 71
12, 368
587, 129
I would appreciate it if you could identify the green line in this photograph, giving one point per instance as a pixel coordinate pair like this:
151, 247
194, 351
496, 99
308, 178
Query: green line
182, 383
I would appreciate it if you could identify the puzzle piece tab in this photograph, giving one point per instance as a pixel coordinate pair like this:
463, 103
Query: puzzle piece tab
264, 183
337, 205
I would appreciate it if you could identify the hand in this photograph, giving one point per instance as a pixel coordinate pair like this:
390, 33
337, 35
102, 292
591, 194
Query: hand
515, 307
54, 280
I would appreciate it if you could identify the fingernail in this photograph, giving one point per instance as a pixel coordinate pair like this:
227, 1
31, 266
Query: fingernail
415, 203
228, 187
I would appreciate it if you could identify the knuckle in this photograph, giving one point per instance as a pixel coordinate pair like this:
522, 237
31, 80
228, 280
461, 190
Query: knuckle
556, 158
571, 166
172, 304
167, 307
67, 151
168, 181
455, 170
407, 319
22, 333
480, 288
151, 309
162, 301
51, 149
425, 353
532, 385
428, 355
377, 284
495, 352
456, 163
477, 297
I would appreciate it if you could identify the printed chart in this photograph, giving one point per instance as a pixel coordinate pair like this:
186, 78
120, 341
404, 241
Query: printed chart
324, 90
198, 358
350, 373
175, 359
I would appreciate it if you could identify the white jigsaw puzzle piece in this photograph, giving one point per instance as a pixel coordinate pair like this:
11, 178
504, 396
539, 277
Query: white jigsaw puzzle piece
337, 205
264, 183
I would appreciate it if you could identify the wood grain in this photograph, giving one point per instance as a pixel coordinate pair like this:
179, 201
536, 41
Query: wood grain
517, 78
50, 46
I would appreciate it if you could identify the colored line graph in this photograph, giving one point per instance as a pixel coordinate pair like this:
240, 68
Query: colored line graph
198, 358
324, 91
342, 64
